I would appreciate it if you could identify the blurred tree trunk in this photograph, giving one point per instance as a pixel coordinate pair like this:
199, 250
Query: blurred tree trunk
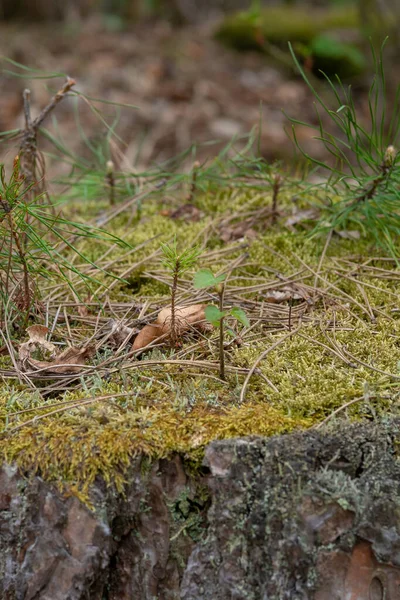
47, 10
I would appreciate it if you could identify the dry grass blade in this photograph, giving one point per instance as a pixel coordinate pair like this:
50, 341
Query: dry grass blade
339, 410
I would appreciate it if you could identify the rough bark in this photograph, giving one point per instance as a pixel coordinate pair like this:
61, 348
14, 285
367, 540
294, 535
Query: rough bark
303, 516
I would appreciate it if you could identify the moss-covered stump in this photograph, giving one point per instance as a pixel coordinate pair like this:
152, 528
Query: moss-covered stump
302, 516
134, 545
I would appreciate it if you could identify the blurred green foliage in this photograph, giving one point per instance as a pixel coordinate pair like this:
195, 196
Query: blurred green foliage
314, 34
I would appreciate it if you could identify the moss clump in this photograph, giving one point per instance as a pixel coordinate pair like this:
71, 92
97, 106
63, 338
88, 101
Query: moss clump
74, 449
278, 25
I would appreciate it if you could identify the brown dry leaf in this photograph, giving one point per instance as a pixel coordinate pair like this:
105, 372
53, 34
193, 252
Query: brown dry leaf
185, 317
186, 212
71, 360
285, 294
119, 332
147, 335
236, 232
37, 339
308, 214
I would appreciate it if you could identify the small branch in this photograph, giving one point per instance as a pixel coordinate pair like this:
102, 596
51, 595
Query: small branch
27, 108
28, 149
68, 85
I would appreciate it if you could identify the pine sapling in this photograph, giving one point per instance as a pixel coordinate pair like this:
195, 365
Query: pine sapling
177, 264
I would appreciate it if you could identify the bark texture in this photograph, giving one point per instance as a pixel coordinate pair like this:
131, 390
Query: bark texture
304, 516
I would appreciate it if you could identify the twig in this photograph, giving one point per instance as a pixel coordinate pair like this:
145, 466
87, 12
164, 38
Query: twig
321, 260
278, 179
28, 149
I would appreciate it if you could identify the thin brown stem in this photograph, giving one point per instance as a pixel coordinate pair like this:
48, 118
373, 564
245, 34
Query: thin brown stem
221, 338
275, 194
192, 190
26, 303
385, 170
110, 180
174, 335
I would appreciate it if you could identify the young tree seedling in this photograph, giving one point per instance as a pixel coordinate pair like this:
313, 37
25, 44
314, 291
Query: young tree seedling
177, 264
205, 278
110, 181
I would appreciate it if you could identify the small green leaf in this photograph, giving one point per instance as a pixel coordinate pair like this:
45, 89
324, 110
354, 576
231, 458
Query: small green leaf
205, 278
213, 315
240, 316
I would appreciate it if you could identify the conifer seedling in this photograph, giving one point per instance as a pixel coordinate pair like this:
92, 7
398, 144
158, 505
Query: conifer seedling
203, 279
177, 263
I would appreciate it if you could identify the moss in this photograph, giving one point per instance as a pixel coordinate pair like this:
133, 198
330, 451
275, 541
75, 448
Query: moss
173, 408
277, 25
188, 513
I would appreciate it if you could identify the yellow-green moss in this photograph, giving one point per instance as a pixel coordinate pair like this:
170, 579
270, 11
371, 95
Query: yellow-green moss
280, 24
179, 409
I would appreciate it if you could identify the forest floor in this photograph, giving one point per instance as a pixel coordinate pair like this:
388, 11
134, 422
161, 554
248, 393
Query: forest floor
319, 343
187, 87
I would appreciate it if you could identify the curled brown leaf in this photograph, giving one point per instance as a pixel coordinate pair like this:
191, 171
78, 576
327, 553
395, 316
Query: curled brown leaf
37, 340
186, 318
147, 335
71, 360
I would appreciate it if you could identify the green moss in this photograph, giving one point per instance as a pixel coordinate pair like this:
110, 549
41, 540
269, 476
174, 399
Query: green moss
173, 408
278, 25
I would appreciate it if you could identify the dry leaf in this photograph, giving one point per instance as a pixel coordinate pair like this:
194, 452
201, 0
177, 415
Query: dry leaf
285, 294
237, 232
69, 361
185, 318
186, 212
308, 214
119, 332
37, 339
147, 335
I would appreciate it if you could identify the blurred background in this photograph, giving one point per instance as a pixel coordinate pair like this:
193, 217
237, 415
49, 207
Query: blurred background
199, 71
